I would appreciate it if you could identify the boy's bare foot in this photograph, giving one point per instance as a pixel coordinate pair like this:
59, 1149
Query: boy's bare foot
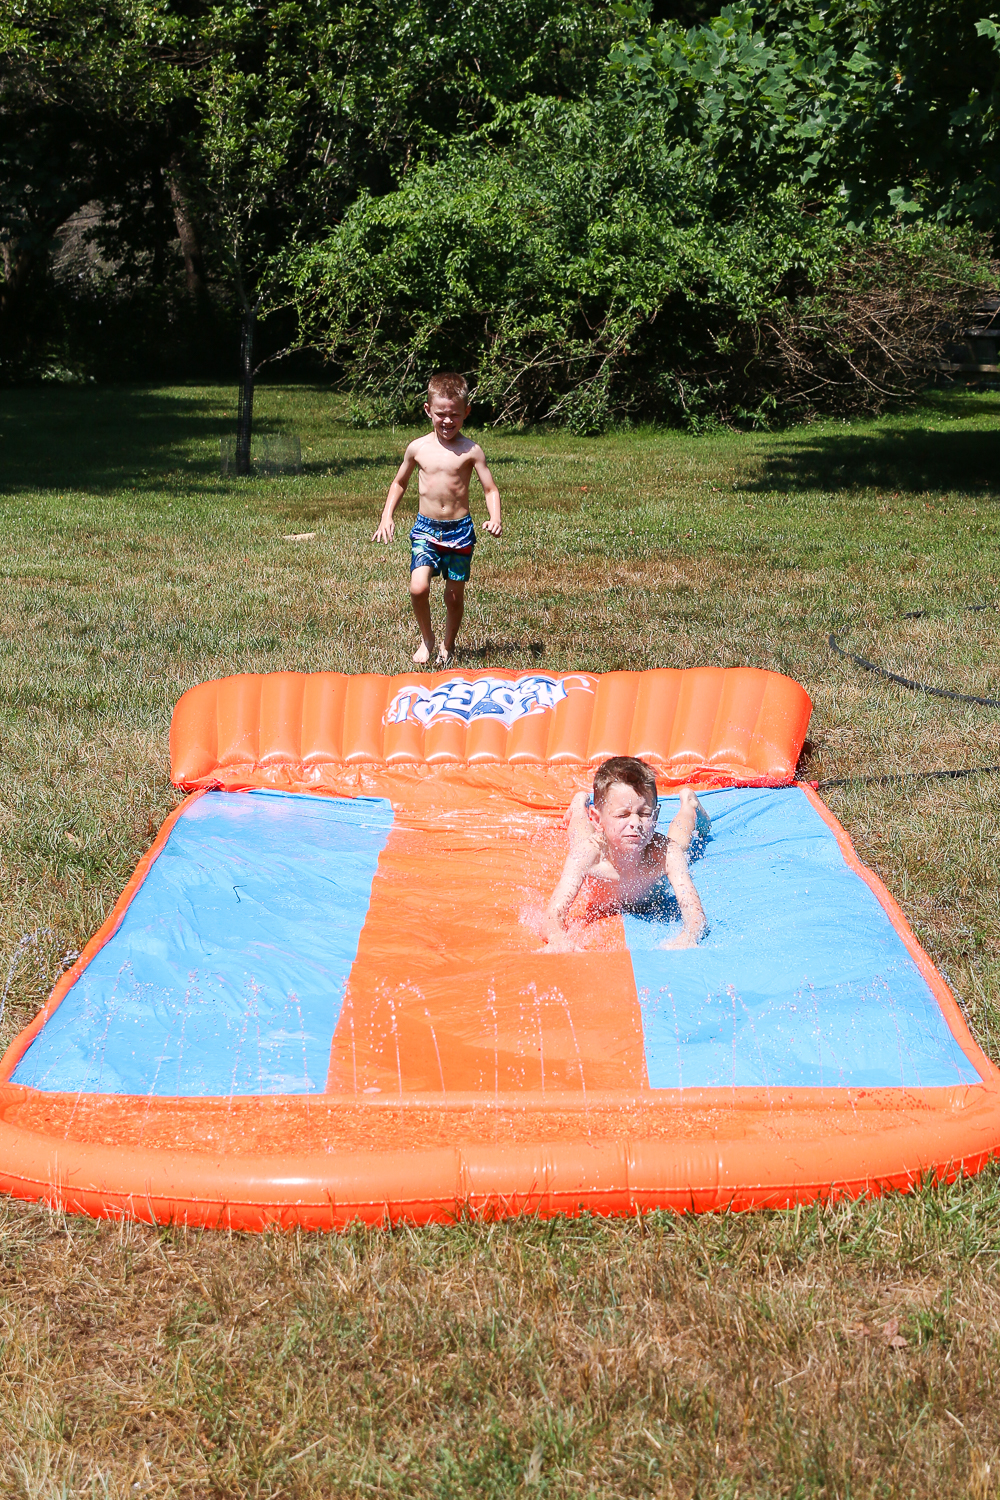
444, 656
689, 818
422, 655
577, 806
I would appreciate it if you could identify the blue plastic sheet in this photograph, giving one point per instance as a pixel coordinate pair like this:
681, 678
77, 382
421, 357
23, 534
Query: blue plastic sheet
228, 971
802, 979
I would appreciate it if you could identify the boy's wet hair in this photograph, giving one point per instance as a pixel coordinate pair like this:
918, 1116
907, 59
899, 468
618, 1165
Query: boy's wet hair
630, 772
448, 385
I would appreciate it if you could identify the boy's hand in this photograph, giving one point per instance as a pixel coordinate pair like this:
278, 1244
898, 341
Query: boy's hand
560, 942
684, 939
494, 527
386, 530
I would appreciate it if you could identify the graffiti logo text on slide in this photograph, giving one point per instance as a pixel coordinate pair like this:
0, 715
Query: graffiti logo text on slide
483, 698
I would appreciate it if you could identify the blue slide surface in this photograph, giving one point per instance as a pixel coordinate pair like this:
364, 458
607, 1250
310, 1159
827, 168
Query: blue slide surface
228, 971
802, 979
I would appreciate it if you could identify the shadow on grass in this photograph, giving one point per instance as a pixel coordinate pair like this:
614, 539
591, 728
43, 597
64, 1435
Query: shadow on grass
334, 468
103, 439
899, 458
108, 438
491, 648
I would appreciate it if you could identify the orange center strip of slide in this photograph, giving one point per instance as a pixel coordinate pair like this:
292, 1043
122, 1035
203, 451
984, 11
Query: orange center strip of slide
450, 991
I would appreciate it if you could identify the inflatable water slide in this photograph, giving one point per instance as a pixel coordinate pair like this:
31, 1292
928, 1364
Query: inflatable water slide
324, 994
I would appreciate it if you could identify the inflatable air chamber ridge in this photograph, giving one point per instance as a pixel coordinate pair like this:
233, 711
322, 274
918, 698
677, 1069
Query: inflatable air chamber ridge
323, 995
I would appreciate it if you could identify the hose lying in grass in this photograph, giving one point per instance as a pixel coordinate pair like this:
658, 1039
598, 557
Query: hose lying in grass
907, 682
920, 687
822, 786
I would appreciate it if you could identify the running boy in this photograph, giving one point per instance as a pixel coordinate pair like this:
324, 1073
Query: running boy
613, 844
443, 537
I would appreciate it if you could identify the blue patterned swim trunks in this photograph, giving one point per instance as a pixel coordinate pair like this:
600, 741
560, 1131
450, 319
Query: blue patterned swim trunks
443, 546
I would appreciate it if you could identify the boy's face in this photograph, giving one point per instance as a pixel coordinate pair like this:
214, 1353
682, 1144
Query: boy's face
627, 819
446, 416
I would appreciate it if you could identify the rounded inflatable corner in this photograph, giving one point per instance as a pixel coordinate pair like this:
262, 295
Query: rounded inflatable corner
781, 727
194, 740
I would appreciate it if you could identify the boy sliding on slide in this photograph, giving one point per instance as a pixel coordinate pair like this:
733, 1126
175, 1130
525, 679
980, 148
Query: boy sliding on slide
443, 537
614, 844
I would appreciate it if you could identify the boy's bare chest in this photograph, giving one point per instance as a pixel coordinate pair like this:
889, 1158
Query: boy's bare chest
615, 886
437, 463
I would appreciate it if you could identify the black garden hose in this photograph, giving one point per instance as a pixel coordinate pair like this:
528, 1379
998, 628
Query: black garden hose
917, 687
887, 780
907, 682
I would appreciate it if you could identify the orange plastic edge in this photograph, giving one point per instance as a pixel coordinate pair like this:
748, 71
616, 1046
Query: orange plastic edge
318, 1191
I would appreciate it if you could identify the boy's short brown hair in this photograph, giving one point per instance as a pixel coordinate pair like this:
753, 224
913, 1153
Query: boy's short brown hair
630, 772
450, 386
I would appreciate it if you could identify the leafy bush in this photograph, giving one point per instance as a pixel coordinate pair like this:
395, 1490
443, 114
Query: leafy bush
586, 276
869, 331
892, 104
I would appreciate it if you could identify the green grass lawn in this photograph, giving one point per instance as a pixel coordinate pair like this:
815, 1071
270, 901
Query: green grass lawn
845, 1352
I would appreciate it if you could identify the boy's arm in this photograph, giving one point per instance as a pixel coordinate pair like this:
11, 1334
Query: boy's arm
582, 856
397, 489
494, 524
693, 915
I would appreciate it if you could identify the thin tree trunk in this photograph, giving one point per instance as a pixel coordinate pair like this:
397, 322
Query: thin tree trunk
244, 415
18, 267
194, 265
158, 193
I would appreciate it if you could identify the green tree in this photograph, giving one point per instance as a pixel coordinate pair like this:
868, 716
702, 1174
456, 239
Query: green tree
586, 274
893, 103
81, 97
239, 128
